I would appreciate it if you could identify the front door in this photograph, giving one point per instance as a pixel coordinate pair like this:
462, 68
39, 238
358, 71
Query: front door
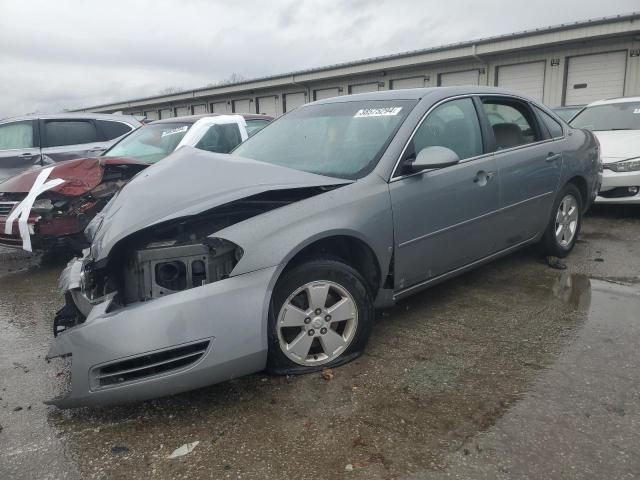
446, 218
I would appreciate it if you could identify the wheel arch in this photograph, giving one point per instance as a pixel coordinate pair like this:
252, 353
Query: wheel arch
581, 183
350, 249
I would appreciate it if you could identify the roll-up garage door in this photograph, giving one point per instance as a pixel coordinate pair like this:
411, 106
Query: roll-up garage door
595, 77
413, 82
166, 113
363, 88
242, 106
199, 109
326, 93
293, 100
182, 111
219, 107
267, 105
151, 115
468, 77
525, 78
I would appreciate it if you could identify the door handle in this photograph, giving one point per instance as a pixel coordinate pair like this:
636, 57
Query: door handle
26, 155
483, 177
552, 157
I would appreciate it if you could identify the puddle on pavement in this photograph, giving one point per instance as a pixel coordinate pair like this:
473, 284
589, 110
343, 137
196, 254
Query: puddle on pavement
441, 367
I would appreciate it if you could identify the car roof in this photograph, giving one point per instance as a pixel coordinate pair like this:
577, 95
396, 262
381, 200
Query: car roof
419, 93
74, 115
615, 100
195, 118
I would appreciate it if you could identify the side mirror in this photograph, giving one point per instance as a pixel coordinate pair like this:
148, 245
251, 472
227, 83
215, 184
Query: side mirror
433, 157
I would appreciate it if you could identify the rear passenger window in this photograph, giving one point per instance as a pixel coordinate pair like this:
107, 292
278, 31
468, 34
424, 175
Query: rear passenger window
554, 127
113, 130
453, 125
512, 123
69, 132
220, 138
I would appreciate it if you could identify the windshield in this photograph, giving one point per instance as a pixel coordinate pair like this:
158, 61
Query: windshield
613, 116
150, 143
344, 140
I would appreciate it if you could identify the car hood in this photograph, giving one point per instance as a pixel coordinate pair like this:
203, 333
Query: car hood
618, 144
80, 175
189, 182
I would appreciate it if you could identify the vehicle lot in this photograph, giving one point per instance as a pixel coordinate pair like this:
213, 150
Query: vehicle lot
515, 370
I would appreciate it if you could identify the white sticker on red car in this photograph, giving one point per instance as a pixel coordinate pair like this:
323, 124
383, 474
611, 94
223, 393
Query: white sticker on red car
173, 131
23, 209
377, 112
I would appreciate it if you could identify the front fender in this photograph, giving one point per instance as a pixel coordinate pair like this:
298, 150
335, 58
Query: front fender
361, 210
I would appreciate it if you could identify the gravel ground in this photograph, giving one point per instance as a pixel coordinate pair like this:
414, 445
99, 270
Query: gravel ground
515, 370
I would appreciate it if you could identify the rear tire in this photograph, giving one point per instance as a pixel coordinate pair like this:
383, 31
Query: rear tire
320, 316
564, 225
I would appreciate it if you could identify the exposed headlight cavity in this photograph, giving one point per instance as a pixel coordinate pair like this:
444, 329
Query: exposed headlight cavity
162, 268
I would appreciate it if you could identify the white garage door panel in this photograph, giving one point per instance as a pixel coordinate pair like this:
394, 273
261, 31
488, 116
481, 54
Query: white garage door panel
595, 77
468, 77
267, 105
364, 88
526, 78
242, 106
166, 113
326, 93
182, 111
151, 115
219, 107
199, 109
293, 100
414, 82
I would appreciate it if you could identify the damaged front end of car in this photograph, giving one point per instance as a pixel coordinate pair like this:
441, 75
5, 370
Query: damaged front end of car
162, 312
58, 216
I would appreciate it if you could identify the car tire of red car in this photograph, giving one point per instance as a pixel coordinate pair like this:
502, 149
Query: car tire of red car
564, 225
321, 315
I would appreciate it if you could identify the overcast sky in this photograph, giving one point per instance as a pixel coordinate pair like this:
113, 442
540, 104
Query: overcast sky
73, 53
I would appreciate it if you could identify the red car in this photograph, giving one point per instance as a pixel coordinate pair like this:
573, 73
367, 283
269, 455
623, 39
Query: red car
47, 208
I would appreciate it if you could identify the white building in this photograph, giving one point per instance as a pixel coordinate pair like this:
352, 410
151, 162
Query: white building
570, 64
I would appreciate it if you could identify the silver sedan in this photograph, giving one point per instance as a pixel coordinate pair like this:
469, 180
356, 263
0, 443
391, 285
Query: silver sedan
207, 266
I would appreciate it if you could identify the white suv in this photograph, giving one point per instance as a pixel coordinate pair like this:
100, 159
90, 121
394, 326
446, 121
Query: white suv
616, 124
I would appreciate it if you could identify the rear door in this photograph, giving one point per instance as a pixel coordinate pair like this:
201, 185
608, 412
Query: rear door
19, 147
529, 163
445, 219
64, 139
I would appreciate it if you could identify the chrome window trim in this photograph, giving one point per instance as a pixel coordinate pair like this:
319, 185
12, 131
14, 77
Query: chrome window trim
395, 178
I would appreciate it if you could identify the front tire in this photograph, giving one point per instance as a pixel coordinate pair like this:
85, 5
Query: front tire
564, 226
320, 316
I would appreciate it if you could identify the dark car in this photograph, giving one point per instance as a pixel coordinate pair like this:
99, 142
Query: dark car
44, 139
71, 193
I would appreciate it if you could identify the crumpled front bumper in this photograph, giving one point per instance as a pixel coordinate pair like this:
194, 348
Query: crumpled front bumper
230, 314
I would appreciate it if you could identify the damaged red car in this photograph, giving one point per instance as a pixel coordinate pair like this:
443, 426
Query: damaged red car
48, 208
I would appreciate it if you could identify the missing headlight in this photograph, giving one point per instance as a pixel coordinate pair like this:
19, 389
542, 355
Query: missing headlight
161, 269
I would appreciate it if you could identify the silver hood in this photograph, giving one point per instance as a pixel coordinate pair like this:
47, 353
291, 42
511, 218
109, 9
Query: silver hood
188, 182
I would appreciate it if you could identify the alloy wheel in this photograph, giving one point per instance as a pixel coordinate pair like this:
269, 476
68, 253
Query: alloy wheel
567, 218
316, 323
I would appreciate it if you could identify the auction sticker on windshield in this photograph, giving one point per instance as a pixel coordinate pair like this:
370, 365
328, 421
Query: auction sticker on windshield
377, 112
175, 130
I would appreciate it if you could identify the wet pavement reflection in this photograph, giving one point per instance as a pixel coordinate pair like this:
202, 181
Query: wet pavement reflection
515, 370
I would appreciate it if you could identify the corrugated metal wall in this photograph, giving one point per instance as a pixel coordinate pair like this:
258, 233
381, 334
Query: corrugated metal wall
487, 64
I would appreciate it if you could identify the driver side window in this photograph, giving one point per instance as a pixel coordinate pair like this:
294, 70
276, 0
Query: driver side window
453, 125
